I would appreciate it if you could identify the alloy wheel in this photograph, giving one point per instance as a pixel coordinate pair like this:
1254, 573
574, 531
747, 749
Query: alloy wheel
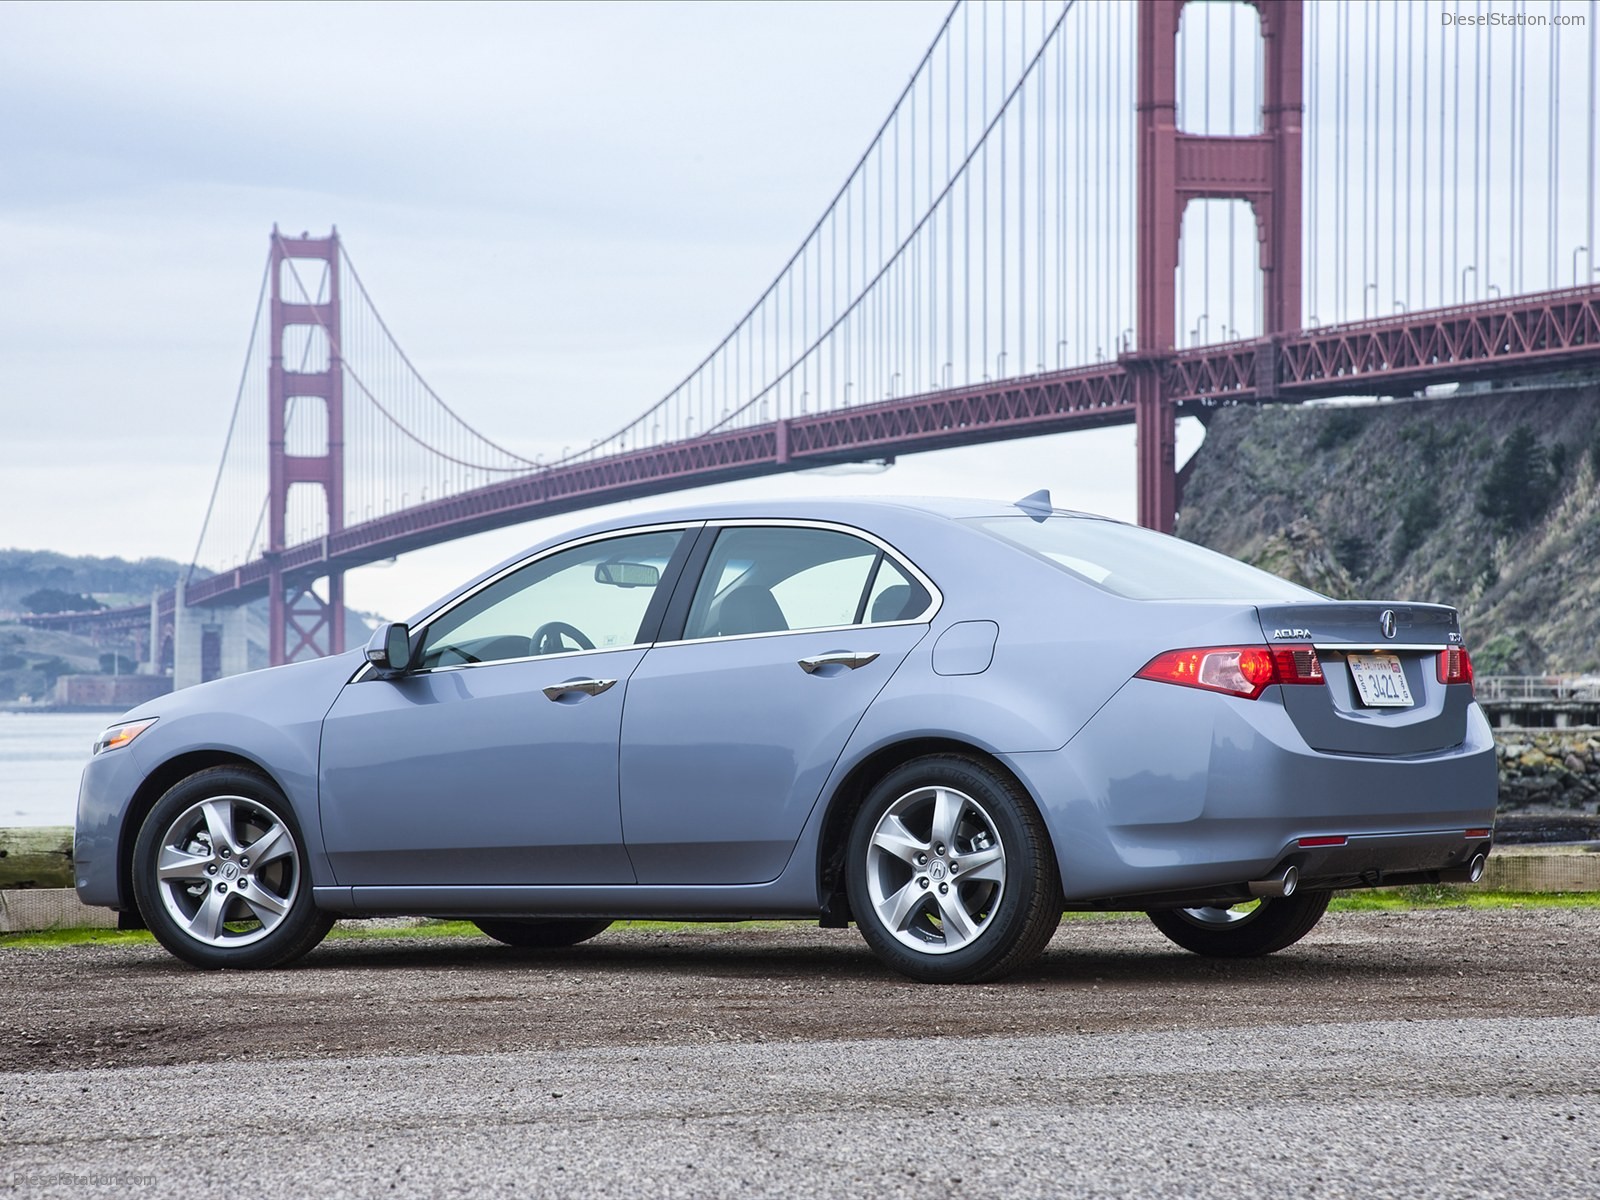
227, 871
936, 869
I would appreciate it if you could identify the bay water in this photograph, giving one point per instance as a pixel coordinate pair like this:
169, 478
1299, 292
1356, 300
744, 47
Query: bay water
41, 758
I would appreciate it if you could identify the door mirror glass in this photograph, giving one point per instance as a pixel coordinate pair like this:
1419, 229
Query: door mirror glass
390, 647
627, 574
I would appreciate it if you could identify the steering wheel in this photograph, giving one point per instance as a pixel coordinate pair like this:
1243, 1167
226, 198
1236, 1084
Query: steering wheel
547, 638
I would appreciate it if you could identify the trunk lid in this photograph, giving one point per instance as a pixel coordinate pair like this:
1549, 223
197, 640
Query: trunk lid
1373, 637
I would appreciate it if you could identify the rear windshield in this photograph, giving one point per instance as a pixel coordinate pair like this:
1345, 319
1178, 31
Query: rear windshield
1138, 563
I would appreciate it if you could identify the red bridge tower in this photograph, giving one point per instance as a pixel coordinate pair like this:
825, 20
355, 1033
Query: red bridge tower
302, 623
1175, 168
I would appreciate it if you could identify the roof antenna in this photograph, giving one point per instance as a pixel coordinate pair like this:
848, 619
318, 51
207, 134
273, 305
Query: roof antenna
1037, 505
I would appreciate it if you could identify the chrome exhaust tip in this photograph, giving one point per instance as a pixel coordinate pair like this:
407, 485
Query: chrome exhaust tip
1470, 873
1280, 885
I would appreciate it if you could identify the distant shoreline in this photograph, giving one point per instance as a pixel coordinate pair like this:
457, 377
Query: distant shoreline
51, 709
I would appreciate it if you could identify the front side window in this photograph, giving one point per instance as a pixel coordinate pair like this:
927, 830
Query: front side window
779, 578
591, 597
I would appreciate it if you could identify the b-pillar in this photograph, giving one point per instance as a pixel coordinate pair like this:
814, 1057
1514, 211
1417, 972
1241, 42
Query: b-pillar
300, 620
1175, 168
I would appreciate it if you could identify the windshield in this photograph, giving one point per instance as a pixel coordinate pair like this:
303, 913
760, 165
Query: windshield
1139, 563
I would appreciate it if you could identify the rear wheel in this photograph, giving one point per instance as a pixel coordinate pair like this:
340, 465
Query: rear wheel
219, 873
1244, 930
950, 872
541, 934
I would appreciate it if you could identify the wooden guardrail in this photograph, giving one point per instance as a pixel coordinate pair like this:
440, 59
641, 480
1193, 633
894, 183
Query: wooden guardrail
39, 857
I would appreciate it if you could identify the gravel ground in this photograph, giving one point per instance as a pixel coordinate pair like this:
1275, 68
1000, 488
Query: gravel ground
1432, 1053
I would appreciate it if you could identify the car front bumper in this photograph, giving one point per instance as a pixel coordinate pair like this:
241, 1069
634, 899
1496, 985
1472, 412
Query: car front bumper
108, 785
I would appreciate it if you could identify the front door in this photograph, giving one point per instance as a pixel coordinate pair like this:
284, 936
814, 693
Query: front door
494, 761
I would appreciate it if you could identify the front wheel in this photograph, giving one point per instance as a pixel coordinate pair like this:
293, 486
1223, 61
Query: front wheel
950, 873
1245, 930
542, 934
219, 873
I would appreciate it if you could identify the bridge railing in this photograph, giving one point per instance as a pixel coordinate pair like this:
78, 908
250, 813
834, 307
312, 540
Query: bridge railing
1537, 688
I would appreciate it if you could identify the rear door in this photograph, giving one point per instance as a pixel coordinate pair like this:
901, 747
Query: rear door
732, 728
1384, 695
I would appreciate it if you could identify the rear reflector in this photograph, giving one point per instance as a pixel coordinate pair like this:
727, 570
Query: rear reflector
1455, 665
1310, 842
1245, 671
1477, 833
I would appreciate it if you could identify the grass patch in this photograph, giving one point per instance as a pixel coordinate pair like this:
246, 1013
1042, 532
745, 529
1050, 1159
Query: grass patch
1444, 895
44, 938
1405, 899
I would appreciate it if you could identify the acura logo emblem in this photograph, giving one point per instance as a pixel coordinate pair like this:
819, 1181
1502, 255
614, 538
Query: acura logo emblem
1386, 622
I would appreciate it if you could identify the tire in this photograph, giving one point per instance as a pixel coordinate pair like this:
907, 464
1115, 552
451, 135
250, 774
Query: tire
204, 895
542, 934
1231, 933
950, 873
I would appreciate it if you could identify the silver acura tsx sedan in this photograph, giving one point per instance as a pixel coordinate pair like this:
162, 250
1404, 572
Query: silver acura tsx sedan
947, 721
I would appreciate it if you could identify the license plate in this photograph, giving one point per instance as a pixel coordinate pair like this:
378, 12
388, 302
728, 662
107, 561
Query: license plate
1380, 681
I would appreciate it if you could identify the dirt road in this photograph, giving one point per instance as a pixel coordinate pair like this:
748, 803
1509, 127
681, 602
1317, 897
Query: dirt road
122, 1006
1441, 1052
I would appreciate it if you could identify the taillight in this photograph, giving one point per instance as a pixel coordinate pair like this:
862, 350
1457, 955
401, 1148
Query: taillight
1235, 670
1455, 665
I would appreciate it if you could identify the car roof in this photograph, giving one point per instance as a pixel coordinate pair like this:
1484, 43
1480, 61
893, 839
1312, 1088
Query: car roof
846, 510
822, 508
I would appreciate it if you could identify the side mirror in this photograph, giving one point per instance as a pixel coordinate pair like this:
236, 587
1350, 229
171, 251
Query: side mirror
390, 647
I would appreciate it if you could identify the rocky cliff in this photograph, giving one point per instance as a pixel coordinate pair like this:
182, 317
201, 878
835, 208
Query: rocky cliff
1488, 501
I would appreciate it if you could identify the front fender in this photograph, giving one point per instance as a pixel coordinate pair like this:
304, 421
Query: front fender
270, 718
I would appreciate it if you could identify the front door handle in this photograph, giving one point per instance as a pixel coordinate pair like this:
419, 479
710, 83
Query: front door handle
839, 658
589, 687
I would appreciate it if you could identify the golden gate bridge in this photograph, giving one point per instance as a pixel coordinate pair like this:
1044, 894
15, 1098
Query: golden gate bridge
1075, 215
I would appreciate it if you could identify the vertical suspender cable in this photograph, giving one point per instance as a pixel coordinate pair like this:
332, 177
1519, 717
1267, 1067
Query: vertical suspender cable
1516, 141
1371, 129
1344, 154
1422, 261
1480, 244
1022, 200
1553, 154
1444, 120
966, 192
1394, 153
1039, 169
1005, 77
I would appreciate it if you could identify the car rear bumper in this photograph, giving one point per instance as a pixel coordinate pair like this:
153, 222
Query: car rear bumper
1174, 791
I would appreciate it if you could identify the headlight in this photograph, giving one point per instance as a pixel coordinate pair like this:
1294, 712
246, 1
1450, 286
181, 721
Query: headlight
120, 735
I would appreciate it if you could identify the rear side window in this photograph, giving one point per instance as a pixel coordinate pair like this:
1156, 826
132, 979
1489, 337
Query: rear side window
779, 578
1139, 563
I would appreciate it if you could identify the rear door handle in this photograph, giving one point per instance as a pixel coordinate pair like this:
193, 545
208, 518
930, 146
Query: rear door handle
840, 658
589, 687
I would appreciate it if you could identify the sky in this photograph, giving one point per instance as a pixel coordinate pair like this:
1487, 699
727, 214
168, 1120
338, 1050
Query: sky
558, 209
